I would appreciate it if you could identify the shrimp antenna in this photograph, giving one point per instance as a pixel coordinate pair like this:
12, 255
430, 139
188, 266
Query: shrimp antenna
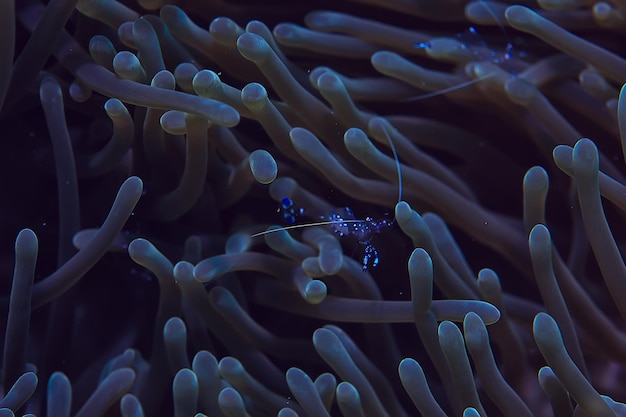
397, 159
302, 226
493, 14
455, 87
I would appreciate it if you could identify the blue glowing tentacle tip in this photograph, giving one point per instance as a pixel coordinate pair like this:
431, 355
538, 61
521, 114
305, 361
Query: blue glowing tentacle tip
424, 45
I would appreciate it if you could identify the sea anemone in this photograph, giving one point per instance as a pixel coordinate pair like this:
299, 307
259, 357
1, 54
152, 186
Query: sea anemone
367, 208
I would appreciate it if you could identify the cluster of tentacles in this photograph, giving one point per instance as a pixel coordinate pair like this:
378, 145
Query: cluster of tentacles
147, 147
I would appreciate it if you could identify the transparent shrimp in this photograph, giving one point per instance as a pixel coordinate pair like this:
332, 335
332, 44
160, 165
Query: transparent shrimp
479, 51
343, 222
